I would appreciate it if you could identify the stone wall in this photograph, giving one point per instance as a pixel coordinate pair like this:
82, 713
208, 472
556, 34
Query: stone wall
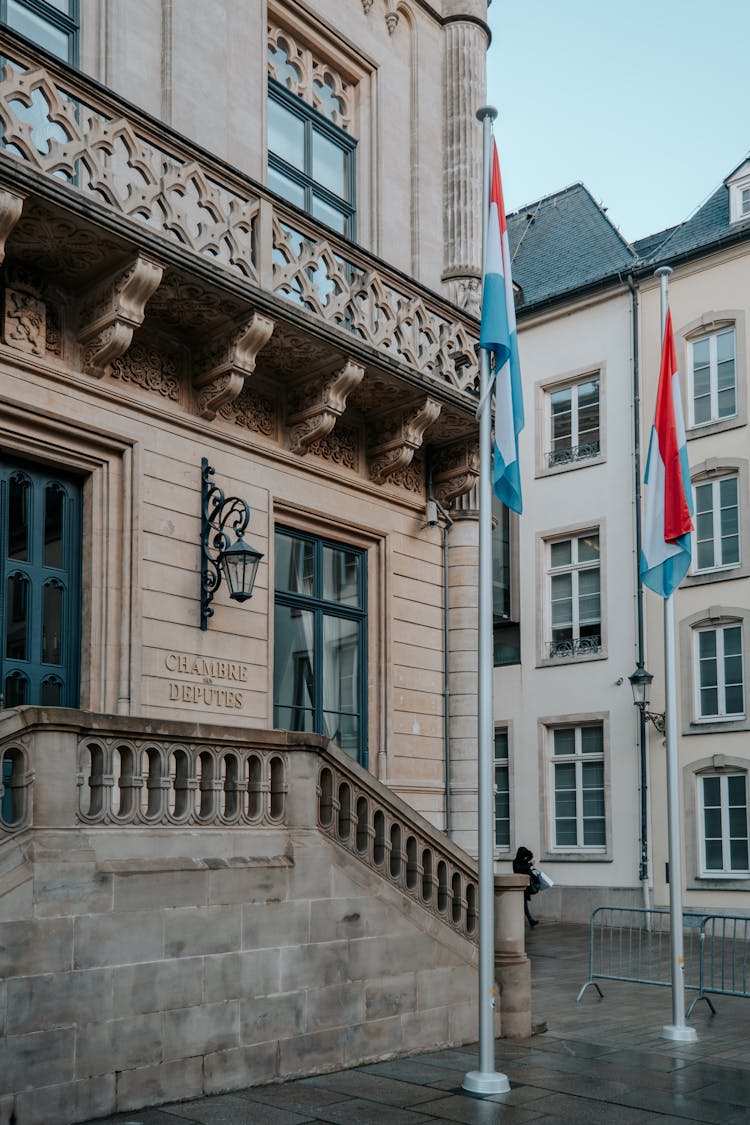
130, 982
186, 909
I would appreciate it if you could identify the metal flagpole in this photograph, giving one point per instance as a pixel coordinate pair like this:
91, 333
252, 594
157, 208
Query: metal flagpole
678, 1029
485, 1080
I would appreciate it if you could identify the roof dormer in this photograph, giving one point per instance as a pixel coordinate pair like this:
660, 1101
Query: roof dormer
738, 183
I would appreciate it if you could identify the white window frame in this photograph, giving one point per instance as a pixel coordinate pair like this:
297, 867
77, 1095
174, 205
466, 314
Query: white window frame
502, 763
716, 516
739, 199
575, 568
545, 388
721, 716
712, 336
723, 776
574, 456
577, 759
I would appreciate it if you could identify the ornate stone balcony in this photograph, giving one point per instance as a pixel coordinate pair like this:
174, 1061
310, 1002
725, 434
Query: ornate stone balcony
133, 255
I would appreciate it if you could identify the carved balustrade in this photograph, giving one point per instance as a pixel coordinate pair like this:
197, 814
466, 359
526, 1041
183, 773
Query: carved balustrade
65, 138
403, 849
63, 768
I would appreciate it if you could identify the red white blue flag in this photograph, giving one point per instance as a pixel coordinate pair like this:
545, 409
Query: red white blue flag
667, 523
498, 336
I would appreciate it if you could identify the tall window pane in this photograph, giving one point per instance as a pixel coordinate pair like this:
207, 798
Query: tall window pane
725, 823
341, 657
17, 628
574, 596
52, 621
51, 24
310, 159
714, 378
574, 422
294, 668
319, 640
579, 818
41, 574
502, 790
19, 516
53, 525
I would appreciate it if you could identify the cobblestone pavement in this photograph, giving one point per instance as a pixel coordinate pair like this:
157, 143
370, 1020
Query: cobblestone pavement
600, 1061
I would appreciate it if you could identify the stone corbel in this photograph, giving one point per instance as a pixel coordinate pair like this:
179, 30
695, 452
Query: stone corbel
391, 16
318, 404
112, 311
11, 206
401, 434
455, 471
223, 366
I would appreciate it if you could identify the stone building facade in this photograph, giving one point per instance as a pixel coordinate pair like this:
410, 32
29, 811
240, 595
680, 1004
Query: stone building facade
222, 856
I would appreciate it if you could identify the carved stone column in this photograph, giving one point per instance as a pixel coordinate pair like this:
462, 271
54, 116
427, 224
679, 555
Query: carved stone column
463, 619
466, 41
512, 966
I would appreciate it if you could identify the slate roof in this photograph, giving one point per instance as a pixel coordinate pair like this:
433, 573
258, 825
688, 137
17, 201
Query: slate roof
708, 226
563, 243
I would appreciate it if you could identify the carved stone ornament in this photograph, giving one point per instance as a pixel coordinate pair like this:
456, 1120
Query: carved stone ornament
399, 437
391, 17
221, 370
11, 206
25, 322
318, 404
252, 411
150, 368
111, 312
455, 471
339, 448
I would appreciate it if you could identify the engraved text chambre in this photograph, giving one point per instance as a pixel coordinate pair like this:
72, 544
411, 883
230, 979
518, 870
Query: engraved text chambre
206, 693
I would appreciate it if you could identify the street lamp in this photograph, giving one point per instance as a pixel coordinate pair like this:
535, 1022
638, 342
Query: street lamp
640, 681
237, 561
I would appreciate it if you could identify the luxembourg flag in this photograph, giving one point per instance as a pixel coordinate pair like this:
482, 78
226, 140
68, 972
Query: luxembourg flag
667, 523
498, 336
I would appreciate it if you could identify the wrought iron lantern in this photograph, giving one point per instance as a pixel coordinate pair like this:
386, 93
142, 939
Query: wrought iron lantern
640, 681
236, 560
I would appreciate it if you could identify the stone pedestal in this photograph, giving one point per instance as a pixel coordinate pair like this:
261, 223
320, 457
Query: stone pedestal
512, 966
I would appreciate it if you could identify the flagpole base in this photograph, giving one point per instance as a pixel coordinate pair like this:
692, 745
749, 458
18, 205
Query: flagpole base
679, 1034
485, 1082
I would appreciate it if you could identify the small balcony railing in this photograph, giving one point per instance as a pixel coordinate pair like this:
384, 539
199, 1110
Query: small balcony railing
570, 454
575, 646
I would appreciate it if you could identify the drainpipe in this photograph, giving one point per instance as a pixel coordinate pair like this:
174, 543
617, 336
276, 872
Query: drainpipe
433, 507
642, 739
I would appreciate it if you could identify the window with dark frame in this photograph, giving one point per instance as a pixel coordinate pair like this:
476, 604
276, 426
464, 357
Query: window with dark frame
51, 24
320, 640
310, 160
40, 577
725, 847
506, 632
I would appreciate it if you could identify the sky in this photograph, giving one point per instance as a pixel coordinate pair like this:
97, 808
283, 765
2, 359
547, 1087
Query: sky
644, 101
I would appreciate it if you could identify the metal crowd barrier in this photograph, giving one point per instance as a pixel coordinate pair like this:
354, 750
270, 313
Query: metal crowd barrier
632, 944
